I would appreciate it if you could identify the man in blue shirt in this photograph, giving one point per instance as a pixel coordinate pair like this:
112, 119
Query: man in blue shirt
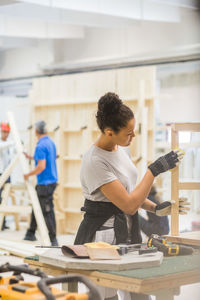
46, 172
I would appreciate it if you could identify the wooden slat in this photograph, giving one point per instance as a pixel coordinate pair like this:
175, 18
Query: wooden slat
8, 170
174, 188
189, 185
194, 127
5, 196
18, 187
15, 209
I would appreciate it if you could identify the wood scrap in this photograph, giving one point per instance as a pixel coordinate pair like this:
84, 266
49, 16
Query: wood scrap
20, 249
103, 253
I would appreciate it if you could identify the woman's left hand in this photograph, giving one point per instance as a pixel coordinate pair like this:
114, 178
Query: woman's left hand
164, 209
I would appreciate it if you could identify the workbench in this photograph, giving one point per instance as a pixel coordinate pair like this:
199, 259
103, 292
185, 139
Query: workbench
163, 281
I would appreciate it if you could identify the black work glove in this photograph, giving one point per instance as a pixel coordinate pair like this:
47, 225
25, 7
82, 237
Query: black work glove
166, 162
164, 209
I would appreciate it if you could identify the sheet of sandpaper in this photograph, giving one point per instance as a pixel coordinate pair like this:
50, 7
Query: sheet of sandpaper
56, 258
77, 251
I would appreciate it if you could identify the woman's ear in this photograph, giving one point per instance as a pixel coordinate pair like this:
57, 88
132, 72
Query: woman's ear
108, 132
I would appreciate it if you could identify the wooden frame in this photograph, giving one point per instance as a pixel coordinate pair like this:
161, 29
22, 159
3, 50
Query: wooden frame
176, 185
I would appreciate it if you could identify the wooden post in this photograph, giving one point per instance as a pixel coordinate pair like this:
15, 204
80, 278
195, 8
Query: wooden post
5, 195
143, 117
174, 186
32, 193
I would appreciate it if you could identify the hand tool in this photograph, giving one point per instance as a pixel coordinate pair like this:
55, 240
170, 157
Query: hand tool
141, 248
168, 248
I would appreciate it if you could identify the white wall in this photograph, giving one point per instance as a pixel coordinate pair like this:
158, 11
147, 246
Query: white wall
180, 104
25, 62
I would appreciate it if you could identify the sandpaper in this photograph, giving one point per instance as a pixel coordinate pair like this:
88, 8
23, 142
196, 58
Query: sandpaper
76, 251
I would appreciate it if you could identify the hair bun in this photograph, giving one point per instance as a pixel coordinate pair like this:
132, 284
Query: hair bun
109, 104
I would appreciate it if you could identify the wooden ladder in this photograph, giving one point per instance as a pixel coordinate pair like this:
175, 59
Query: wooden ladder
35, 205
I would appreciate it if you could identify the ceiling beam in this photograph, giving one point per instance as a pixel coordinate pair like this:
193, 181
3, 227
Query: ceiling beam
16, 27
175, 54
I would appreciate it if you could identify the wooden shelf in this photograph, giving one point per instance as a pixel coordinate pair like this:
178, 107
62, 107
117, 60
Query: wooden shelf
62, 103
72, 211
86, 101
72, 186
67, 157
68, 130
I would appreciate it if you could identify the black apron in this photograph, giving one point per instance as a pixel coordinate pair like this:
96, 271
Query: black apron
97, 213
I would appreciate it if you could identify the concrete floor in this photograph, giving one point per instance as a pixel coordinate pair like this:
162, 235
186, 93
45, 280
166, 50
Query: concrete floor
191, 292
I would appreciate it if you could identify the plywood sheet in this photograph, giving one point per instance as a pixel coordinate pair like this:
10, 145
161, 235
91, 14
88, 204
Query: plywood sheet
129, 261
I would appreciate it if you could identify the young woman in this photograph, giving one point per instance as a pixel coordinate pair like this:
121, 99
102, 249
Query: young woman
108, 179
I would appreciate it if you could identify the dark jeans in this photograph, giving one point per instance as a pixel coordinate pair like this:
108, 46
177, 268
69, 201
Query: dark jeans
1, 190
149, 227
45, 197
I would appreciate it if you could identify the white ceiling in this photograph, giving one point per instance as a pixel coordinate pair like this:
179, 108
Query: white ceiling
23, 23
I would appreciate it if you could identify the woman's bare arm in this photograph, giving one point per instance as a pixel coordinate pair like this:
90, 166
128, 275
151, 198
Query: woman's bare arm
128, 203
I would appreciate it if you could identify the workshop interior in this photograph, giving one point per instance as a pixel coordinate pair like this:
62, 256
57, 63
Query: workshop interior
99, 150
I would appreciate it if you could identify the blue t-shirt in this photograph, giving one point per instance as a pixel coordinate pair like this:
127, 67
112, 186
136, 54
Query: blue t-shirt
46, 149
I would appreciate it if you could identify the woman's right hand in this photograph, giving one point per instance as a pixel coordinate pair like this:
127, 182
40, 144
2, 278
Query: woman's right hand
166, 162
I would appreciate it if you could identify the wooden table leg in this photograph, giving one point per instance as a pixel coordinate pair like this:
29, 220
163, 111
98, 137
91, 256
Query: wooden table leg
71, 287
167, 294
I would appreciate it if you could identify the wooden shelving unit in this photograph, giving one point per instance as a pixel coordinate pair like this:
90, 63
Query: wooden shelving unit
74, 116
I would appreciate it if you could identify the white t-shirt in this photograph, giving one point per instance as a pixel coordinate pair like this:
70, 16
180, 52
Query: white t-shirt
100, 167
6, 153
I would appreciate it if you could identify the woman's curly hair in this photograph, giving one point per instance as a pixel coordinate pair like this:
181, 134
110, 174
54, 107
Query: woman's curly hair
112, 113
